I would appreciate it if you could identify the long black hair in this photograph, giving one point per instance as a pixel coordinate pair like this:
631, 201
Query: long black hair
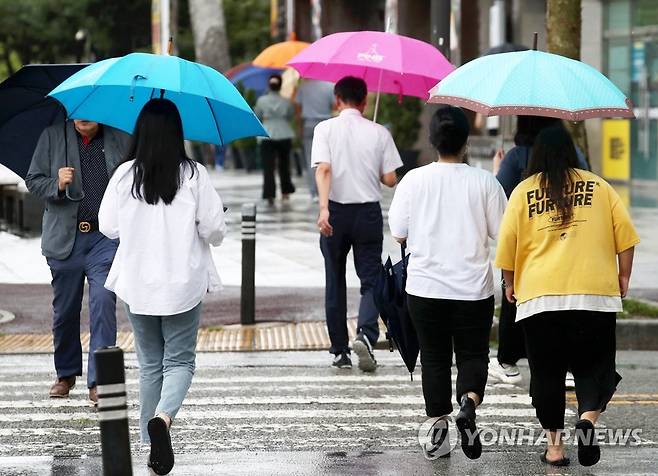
554, 159
527, 128
159, 151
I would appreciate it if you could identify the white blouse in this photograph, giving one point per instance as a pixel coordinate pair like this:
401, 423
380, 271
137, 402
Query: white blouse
163, 265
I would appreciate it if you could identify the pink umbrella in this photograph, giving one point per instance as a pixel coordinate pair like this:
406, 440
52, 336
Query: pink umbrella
388, 63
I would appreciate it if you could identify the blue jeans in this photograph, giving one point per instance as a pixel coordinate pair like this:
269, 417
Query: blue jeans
92, 256
166, 351
357, 227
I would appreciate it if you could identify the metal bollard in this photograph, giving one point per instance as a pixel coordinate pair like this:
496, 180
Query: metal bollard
248, 289
113, 412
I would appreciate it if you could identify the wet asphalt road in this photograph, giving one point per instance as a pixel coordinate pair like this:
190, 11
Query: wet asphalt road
289, 413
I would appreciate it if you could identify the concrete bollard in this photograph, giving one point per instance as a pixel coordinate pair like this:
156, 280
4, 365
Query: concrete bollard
113, 412
248, 289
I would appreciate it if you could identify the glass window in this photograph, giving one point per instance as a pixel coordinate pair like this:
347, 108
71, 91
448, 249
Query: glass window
619, 15
645, 13
619, 64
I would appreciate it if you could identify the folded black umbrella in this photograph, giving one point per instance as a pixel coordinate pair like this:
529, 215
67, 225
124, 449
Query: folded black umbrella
25, 111
391, 301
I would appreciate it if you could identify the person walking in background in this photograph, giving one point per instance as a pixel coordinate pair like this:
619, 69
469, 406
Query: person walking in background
315, 101
509, 169
446, 212
566, 249
276, 112
164, 210
353, 157
70, 170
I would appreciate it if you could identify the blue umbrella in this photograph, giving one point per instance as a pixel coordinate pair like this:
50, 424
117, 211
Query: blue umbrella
253, 77
114, 91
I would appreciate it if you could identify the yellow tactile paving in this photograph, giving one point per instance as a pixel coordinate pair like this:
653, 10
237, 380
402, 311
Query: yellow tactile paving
311, 335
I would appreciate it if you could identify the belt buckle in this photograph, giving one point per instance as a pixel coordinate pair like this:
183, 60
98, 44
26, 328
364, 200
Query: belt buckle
84, 226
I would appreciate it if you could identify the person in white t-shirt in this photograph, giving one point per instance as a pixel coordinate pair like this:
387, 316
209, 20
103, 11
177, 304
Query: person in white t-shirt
447, 211
353, 156
164, 210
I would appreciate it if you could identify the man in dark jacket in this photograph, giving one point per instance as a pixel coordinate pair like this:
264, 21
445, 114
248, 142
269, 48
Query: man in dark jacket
70, 170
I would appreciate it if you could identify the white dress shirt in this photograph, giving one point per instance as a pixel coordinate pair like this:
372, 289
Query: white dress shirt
359, 151
448, 212
163, 265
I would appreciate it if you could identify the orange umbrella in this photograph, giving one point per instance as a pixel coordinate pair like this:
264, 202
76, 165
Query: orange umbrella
278, 55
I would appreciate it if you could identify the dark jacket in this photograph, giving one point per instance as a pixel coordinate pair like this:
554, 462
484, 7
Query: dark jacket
516, 161
60, 217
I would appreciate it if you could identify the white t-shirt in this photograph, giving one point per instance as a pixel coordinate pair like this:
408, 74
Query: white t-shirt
448, 212
359, 151
163, 265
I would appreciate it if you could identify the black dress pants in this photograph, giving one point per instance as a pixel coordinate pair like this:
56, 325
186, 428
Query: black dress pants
442, 324
511, 343
583, 341
358, 227
276, 153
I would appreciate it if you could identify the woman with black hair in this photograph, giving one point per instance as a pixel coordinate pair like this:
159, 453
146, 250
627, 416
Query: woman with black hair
509, 169
446, 212
566, 250
166, 213
276, 112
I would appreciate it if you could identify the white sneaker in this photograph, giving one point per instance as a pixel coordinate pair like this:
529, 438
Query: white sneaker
569, 382
504, 372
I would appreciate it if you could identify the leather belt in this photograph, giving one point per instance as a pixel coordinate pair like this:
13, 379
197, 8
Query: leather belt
87, 226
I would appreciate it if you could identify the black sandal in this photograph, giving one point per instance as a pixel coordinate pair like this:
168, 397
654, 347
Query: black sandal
560, 462
589, 452
161, 459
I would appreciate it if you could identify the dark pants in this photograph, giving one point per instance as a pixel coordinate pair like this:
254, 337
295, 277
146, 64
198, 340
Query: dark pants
511, 343
276, 153
581, 340
92, 257
359, 227
440, 325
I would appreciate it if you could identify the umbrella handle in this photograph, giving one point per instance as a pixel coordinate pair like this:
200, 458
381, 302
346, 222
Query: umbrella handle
379, 87
67, 192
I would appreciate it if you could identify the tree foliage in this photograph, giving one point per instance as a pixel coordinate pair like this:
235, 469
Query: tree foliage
402, 117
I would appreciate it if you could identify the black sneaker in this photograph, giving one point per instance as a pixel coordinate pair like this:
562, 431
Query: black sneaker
363, 350
465, 421
342, 361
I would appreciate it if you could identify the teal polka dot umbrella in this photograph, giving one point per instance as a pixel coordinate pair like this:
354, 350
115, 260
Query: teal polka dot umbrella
532, 83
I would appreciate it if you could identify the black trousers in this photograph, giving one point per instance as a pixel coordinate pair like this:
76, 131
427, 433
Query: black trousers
440, 325
583, 341
276, 153
358, 227
511, 343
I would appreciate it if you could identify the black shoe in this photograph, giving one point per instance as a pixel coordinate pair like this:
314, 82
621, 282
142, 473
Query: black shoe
161, 459
439, 444
342, 361
465, 421
589, 452
559, 463
363, 350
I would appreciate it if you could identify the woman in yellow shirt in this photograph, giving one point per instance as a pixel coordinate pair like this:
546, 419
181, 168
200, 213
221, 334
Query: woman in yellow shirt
566, 250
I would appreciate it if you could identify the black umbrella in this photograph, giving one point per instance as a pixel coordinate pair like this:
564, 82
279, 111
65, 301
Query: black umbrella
391, 301
504, 48
25, 111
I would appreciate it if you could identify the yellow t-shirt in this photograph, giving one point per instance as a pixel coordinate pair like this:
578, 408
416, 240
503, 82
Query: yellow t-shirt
554, 259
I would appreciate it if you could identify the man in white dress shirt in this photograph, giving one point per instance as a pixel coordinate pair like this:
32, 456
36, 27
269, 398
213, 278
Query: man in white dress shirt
353, 156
